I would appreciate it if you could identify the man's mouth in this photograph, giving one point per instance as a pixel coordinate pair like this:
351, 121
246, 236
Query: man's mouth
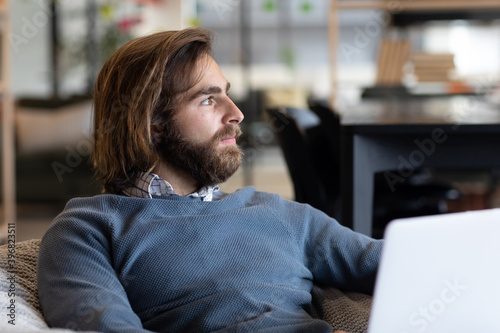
230, 140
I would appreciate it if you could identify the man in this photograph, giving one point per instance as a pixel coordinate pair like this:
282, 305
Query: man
163, 249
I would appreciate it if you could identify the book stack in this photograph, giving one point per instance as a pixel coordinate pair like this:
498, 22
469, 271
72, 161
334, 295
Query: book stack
392, 56
433, 67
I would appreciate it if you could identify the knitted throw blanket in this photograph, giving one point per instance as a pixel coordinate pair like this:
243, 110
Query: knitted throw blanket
347, 311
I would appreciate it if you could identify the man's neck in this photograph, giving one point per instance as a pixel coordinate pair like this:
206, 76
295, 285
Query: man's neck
181, 182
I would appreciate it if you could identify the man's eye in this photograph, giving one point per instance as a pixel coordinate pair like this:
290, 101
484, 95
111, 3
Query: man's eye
208, 101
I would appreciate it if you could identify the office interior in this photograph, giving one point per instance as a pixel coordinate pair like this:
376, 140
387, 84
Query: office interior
275, 53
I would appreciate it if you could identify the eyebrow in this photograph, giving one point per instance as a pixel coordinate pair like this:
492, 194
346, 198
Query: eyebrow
209, 91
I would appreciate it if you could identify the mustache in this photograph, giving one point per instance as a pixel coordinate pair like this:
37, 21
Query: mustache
228, 131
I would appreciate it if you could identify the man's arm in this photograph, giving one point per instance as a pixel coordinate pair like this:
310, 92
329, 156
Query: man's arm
339, 257
335, 255
78, 287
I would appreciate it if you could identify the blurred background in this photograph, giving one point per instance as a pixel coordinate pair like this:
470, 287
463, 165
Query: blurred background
274, 52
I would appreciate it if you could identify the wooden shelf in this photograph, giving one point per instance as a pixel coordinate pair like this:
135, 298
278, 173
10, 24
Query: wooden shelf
419, 5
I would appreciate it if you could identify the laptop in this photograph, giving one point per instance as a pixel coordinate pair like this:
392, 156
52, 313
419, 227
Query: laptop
439, 274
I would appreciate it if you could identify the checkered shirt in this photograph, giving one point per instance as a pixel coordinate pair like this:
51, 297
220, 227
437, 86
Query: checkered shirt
149, 185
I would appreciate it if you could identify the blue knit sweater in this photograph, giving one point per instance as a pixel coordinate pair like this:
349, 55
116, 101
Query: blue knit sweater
244, 262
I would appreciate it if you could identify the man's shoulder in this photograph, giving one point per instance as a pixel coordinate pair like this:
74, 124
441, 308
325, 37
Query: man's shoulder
251, 197
102, 201
248, 194
88, 209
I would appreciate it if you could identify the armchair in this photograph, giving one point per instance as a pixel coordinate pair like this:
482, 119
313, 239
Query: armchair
348, 311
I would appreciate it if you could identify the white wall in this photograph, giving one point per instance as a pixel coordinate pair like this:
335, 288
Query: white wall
167, 15
30, 53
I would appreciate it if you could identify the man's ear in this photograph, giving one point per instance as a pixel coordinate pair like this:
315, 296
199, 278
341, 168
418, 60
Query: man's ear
157, 131
159, 126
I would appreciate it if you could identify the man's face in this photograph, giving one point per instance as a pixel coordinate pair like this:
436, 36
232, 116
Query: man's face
201, 136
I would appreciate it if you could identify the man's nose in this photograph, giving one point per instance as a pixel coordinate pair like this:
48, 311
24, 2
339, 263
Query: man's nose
233, 114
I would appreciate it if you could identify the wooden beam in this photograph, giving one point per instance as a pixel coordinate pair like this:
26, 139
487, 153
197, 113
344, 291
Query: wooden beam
8, 148
333, 36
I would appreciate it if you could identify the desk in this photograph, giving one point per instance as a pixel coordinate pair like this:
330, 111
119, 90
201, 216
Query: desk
460, 132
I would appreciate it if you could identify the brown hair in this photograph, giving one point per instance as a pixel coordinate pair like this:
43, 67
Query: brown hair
134, 96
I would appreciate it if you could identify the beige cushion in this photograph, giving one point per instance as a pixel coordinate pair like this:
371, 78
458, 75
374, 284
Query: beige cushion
28, 311
345, 311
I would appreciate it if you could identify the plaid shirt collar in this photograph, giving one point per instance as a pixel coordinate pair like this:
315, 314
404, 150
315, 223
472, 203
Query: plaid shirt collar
149, 185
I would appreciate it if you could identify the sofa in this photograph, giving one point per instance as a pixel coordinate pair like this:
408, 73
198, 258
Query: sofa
348, 311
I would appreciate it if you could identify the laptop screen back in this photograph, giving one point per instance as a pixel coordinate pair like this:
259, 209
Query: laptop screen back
439, 274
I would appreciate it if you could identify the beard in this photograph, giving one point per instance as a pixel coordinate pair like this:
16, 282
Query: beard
208, 163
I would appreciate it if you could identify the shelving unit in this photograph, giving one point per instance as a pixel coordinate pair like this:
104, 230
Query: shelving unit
7, 112
416, 4
423, 7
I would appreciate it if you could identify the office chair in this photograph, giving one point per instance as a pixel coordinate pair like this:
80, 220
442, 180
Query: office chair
303, 162
310, 142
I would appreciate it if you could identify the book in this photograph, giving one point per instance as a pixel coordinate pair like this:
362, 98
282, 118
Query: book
433, 67
392, 57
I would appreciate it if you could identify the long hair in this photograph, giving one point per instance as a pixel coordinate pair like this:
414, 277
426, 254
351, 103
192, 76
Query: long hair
134, 96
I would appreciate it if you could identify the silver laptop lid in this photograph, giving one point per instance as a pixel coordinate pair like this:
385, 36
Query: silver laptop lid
439, 274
